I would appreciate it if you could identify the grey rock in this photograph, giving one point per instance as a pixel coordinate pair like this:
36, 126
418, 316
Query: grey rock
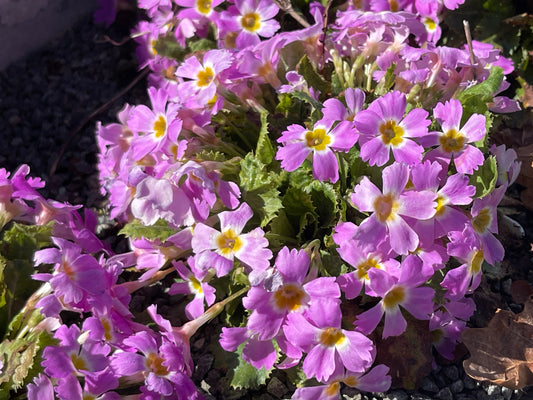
470, 383
396, 395
277, 388
429, 385
507, 393
457, 386
444, 394
451, 372
493, 390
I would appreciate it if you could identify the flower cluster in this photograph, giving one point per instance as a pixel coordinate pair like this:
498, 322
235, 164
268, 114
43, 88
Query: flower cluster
340, 163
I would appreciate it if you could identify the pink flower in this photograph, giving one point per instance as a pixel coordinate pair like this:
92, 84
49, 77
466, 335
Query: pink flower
329, 347
375, 380
251, 19
285, 292
390, 208
395, 291
217, 249
383, 128
320, 141
453, 141
193, 284
202, 84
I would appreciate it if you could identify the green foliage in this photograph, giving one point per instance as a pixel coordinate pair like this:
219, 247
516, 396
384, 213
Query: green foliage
264, 151
475, 99
158, 231
313, 79
247, 376
484, 179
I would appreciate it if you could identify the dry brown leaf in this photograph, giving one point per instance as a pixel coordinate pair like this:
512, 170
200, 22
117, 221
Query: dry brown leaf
502, 353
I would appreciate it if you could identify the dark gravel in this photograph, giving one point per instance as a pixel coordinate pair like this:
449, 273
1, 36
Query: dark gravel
43, 99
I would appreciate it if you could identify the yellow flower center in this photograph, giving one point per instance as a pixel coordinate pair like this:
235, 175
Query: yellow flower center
393, 5
385, 207
430, 23
78, 362
333, 389
251, 22
160, 126
437, 335
289, 297
88, 397
205, 77
481, 221
229, 242
441, 202
107, 329
317, 139
332, 337
196, 285
391, 133
68, 270
394, 297
350, 381
452, 141
155, 364
203, 6
476, 262
364, 267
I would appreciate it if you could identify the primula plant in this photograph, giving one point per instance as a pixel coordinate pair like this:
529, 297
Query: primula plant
323, 176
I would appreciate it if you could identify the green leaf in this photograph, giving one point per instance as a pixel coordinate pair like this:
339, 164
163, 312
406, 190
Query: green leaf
247, 376
484, 179
136, 230
265, 204
313, 79
254, 174
167, 46
475, 98
264, 150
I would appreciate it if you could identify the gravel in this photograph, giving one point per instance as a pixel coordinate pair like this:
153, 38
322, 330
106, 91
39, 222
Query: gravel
45, 97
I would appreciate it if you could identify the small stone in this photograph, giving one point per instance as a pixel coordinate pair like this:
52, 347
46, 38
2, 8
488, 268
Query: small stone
429, 386
506, 286
493, 390
350, 393
276, 388
14, 120
451, 372
457, 386
445, 394
397, 395
507, 393
470, 383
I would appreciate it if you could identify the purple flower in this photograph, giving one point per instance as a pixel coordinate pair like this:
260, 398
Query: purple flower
391, 207
329, 347
193, 285
251, 19
217, 249
395, 291
299, 142
383, 128
453, 141
285, 292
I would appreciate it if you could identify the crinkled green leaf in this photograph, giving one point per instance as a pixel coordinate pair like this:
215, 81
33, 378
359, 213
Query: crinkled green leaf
265, 204
136, 230
264, 151
247, 376
281, 231
297, 202
306, 98
20, 240
484, 179
324, 198
254, 174
475, 98
167, 46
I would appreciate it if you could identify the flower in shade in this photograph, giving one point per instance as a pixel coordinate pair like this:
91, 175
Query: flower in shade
193, 284
201, 85
375, 380
453, 142
403, 290
217, 249
329, 347
384, 128
390, 207
320, 141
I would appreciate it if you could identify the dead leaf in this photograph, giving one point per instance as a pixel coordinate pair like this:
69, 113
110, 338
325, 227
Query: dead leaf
502, 353
521, 291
